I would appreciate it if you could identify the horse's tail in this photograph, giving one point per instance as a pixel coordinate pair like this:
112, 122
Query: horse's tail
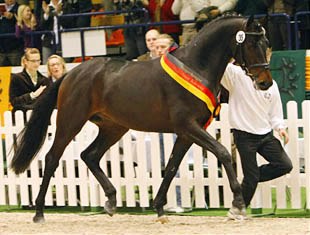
31, 138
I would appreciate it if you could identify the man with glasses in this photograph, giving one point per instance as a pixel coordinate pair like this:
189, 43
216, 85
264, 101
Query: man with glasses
28, 85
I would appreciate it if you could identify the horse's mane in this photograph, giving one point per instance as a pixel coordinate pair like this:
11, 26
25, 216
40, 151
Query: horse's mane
209, 28
225, 16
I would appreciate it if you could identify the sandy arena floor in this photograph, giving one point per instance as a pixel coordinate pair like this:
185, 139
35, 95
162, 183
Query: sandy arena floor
121, 224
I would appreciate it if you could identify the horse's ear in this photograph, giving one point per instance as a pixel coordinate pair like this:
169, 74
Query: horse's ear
263, 21
250, 21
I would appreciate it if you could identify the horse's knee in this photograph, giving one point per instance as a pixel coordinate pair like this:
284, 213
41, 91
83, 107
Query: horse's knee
224, 156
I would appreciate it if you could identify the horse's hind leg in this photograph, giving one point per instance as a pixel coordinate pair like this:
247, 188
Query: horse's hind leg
107, 136
179, 149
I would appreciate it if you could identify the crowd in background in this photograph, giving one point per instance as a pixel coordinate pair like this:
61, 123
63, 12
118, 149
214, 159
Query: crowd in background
19, 18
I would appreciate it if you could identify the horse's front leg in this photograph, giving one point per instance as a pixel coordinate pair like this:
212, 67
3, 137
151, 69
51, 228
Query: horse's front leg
179, 149
206, 141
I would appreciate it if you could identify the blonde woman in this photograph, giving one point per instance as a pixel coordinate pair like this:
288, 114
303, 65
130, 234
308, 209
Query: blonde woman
26, 23
56, 67
28, 85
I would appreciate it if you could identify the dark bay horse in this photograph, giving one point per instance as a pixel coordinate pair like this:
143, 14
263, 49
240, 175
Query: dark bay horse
118, 95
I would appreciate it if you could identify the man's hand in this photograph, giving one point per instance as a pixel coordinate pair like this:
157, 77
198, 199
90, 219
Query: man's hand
283, 135
59, 8
45, 8
8, 15
33, 21
214, 13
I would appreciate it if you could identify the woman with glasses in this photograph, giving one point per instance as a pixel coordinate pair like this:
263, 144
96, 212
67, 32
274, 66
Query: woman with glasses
56, 67
28, 85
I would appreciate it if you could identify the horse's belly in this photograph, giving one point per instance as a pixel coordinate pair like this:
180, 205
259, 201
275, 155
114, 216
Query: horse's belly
140, 117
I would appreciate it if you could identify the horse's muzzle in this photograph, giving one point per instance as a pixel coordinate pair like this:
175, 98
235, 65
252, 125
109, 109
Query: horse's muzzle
263, 85
263, 80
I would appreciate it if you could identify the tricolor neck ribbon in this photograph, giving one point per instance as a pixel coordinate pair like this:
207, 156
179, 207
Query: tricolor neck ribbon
187, 79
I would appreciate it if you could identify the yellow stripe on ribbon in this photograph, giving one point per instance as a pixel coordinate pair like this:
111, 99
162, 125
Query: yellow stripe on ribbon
192, 85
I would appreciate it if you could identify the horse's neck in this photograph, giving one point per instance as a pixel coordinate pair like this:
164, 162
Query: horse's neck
209, 52
209, 62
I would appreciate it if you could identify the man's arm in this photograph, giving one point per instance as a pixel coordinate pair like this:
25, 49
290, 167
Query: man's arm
276, 114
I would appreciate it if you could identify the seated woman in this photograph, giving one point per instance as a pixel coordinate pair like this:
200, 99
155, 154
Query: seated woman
56, 67
28, 85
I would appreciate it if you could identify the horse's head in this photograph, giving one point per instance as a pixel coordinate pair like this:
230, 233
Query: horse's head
250, 52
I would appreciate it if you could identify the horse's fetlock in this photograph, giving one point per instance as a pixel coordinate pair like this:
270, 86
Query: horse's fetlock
111, 194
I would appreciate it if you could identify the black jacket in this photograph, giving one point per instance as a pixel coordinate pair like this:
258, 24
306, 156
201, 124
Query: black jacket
20, 88
8, 26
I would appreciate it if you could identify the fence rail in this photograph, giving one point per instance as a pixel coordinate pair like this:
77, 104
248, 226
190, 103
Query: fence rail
298, 18
134, 167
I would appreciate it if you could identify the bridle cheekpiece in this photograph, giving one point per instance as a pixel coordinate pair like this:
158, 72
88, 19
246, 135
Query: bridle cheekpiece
240, 38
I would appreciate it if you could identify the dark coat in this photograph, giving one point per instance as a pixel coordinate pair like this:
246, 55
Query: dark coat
48, 24
248, 8
20, 88
8, 26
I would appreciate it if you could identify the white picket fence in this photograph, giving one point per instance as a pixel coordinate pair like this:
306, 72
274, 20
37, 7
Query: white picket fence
74, 185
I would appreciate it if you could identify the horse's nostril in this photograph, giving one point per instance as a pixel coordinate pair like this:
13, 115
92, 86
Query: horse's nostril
264, 84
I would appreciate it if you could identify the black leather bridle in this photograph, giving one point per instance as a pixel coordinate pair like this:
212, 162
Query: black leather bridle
239, 50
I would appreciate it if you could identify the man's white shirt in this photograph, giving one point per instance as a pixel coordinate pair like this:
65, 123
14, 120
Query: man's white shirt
251, 110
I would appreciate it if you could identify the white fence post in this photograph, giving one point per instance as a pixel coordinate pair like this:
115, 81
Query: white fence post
138, 169
306, 146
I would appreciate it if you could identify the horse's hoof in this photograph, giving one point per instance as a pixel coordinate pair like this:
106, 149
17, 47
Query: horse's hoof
38, 219
109, 209
236, 214
163, 219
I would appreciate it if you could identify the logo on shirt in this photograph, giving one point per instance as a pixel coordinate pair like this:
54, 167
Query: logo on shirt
267, 96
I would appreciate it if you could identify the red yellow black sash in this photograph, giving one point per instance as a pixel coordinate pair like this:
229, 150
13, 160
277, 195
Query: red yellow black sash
187, 79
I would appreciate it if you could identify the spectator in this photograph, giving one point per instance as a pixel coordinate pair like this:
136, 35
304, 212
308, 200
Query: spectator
277, 25
187, 10
150, 40
247, 8
49, 21
253, 117
37, 8
214, 9
304, 27
27, 85
134, 36
162, 11
27, 23
56, 67
74, 7
163, 43
11, 48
